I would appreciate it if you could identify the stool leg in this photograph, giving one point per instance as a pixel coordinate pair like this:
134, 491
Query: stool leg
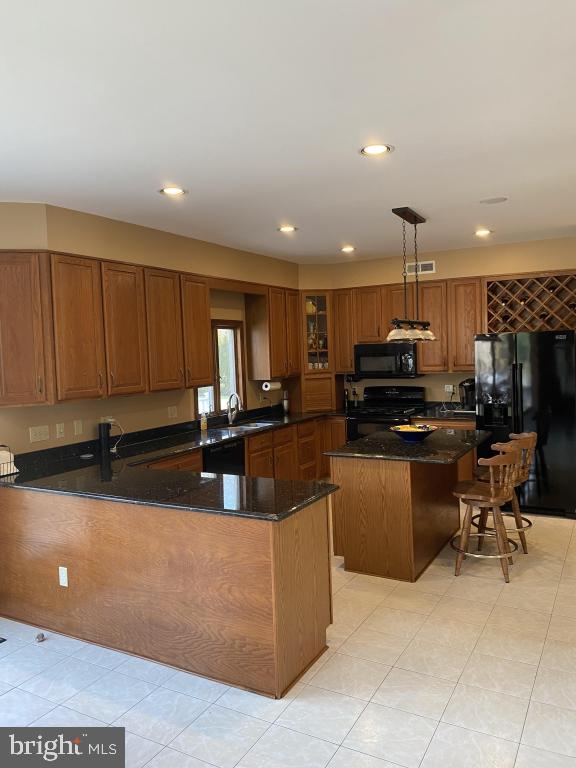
501, 540
518, 519
482, 522
464, 538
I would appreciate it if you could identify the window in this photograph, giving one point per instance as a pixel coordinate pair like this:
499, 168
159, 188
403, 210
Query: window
227, 339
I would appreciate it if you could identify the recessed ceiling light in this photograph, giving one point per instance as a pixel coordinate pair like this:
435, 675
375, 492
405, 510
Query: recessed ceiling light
374, 150
172, 191
483, 232
493, 200
347, 249
287, 228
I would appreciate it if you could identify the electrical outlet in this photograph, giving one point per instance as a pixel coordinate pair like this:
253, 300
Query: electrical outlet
172, 411
62, 575
78, 427
59, 430
449, 389
38, 434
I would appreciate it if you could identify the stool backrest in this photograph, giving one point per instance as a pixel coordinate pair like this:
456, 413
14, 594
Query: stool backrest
526, 441
503, 469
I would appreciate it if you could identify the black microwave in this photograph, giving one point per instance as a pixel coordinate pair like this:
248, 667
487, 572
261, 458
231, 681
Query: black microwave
385, 361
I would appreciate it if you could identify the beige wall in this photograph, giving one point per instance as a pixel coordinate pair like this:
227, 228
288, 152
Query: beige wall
89, 235
23, 225
541, 255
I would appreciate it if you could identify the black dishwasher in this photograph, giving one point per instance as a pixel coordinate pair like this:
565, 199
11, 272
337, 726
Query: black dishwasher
225, 458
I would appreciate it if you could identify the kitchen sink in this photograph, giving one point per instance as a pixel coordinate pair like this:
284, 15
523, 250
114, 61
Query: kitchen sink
252, 425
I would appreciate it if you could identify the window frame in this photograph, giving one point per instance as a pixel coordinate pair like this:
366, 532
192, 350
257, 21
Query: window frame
238, 327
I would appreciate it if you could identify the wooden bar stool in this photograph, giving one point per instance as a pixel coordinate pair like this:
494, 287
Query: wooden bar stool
490, 496
524, 442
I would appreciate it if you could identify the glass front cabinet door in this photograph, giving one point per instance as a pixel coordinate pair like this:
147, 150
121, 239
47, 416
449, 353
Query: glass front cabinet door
317, 333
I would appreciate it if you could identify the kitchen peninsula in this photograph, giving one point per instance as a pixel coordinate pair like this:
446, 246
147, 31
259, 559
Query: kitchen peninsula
395, 509
225, 576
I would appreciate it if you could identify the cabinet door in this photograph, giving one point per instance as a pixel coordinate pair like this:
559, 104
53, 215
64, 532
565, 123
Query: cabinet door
368, 314
277, 320
318, 393
433, 355
198, 348
78, 327
24, 351
261, 463
164, 320
343, 331
286, 462
396, 302
293, 332
125, 328
465, 321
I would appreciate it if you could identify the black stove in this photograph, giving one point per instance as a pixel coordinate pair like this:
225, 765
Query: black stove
382, 407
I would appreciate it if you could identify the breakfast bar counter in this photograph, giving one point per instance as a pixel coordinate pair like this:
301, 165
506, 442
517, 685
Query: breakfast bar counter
395, 510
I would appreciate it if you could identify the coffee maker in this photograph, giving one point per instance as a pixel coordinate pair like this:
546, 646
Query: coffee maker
467, 392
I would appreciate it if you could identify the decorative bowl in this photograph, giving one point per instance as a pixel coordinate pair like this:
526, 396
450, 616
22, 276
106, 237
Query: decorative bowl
413, 433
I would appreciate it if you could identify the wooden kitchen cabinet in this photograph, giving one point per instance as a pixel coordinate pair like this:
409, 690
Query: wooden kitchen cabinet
125, 328
393, 303
285, 454
272, 325
318, 352
318, 393
189, 462
368, 314
78, 327
164, 323
308, 450
433, 355
293, 347
259, 453
332, 434
197, 330
464, 321
343, 331
25, 329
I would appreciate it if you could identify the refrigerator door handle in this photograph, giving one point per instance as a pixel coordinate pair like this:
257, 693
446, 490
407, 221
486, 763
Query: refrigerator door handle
520, 399
515, 401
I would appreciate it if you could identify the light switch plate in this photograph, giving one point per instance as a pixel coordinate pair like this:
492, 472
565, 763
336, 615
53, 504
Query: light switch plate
78, 427
449, 388
38, 434
63, 575
60, 430
172, 411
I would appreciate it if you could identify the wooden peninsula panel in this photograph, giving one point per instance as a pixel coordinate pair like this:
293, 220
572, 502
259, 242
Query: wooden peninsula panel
391, 518
242, 601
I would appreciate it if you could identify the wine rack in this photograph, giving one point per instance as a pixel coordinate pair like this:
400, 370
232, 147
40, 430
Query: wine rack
542, 303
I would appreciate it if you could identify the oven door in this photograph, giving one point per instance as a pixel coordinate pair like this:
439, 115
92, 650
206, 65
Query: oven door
385, 361
357, 427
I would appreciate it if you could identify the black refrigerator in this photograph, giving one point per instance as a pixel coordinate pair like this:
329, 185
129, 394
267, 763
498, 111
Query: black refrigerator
526, 382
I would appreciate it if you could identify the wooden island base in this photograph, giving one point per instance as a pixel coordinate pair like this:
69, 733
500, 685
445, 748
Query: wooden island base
243, 601
391, 518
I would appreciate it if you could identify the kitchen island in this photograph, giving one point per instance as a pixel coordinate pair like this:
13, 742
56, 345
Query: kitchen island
395, 509
225, 576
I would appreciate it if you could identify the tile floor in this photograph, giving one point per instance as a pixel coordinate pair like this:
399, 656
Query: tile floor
445, 673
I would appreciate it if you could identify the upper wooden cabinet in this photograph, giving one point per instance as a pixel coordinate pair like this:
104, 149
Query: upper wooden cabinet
293, 349
343, 331
78, 327
164, 322
273, 332
368, 318
198, 348
125, 328
25, 324
433, 355
317, 310
464, 321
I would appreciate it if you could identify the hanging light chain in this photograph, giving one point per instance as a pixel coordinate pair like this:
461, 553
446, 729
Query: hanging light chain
416, 270
404, 269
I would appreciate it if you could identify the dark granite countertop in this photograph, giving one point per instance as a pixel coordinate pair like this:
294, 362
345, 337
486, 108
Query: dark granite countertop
437, 410
253, 497
445, 446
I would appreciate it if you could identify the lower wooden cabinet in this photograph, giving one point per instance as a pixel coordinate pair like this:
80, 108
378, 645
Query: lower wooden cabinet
285, 454
191, 462
332, 434
259, 455
308, 450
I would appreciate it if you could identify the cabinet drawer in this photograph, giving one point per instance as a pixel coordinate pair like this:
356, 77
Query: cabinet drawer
284, 436
306, 429
191, 462
259, 442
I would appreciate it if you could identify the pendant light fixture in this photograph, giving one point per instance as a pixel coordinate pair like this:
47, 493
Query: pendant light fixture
404, 329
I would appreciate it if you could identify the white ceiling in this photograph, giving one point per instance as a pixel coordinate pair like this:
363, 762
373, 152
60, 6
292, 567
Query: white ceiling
258, 108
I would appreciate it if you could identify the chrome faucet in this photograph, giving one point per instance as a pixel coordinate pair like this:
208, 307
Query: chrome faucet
233, 412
